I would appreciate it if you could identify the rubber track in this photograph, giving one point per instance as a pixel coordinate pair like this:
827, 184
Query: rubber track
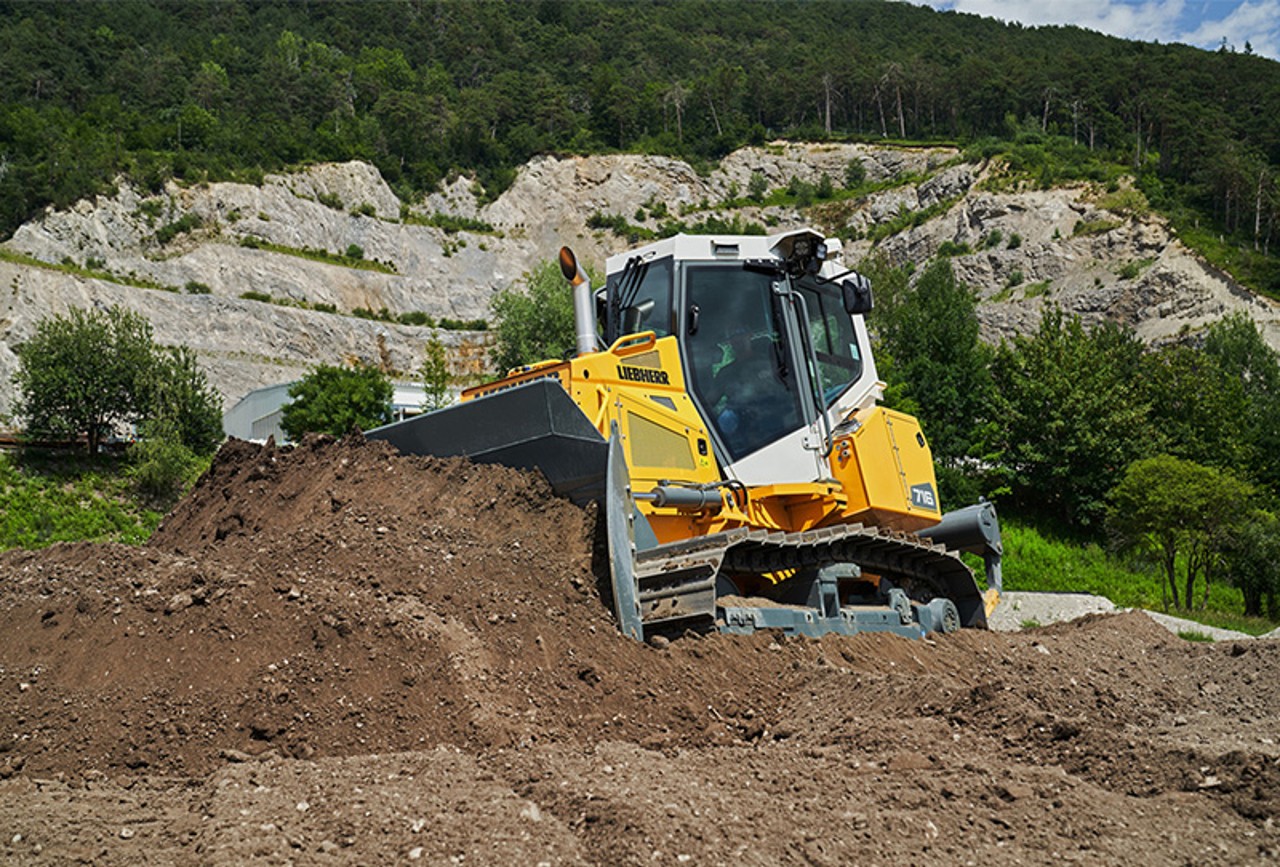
902, 557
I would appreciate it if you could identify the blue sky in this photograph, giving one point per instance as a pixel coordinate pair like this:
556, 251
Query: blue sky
1203, 23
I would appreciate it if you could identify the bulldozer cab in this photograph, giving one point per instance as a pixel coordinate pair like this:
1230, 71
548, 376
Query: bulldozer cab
772, 354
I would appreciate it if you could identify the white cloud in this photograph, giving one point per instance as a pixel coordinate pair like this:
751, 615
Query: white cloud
1203, 23
1256, 23
1151, 20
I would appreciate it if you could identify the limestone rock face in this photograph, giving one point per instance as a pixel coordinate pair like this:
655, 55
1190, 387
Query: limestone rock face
210, 244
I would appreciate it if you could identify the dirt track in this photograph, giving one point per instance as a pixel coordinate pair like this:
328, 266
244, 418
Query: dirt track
338, 655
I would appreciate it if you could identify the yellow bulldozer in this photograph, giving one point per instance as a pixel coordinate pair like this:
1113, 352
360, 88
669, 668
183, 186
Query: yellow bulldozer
723, 408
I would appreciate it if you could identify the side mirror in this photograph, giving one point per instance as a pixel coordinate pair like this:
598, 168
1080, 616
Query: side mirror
635, 315
857, 295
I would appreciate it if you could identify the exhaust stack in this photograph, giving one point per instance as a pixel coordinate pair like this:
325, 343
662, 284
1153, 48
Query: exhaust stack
584, 308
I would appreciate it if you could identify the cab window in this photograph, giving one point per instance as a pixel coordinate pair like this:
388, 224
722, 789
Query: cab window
835, 342
646, 305
738, 361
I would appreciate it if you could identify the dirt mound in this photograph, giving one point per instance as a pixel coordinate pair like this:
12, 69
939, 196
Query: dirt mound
318, 627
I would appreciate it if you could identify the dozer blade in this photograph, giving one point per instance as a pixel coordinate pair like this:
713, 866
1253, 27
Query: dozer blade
535, 426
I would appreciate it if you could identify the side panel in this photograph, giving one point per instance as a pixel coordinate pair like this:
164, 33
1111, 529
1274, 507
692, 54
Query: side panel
639, 385
886, 468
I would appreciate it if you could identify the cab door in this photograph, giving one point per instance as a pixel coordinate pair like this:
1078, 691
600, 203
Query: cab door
745, 374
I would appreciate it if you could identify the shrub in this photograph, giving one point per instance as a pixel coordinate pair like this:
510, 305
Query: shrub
415, 317
185, 223
463, 324
162, 467
1132, 268
194, 287
855, 174
334, 399
354, 251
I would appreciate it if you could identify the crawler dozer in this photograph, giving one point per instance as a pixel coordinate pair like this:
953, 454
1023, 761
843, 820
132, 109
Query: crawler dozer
723, 408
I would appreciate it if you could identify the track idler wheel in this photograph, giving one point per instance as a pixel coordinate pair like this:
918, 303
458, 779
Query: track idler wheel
939, 615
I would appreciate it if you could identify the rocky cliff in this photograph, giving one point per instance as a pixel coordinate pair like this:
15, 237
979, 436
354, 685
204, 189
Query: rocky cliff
312, 248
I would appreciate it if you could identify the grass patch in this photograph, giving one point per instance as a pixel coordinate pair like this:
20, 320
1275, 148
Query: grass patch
1246, 265
1125, 202
93, 273
1194, 635
1037, 562
1034, 160
1036, 290
412, 317
449, 223
255, 243
1085, 228
418, 317
709, 225
70, 498
1132, 268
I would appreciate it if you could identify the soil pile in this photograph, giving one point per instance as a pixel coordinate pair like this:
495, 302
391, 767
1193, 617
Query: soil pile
334, 653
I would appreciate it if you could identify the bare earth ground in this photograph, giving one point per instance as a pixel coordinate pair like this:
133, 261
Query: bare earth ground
334, 655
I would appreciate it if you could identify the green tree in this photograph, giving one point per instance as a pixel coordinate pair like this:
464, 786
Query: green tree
855, 174
1253, 563
1190, 396
1250, 364
931, 335
1071, 416
435, 375
332, 399
86, 373
1182, 514
182, 397
534, 322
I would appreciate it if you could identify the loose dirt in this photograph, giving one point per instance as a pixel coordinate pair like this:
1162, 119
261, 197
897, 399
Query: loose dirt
336, 654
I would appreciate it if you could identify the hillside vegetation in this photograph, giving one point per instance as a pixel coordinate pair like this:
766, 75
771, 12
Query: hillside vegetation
219, 89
